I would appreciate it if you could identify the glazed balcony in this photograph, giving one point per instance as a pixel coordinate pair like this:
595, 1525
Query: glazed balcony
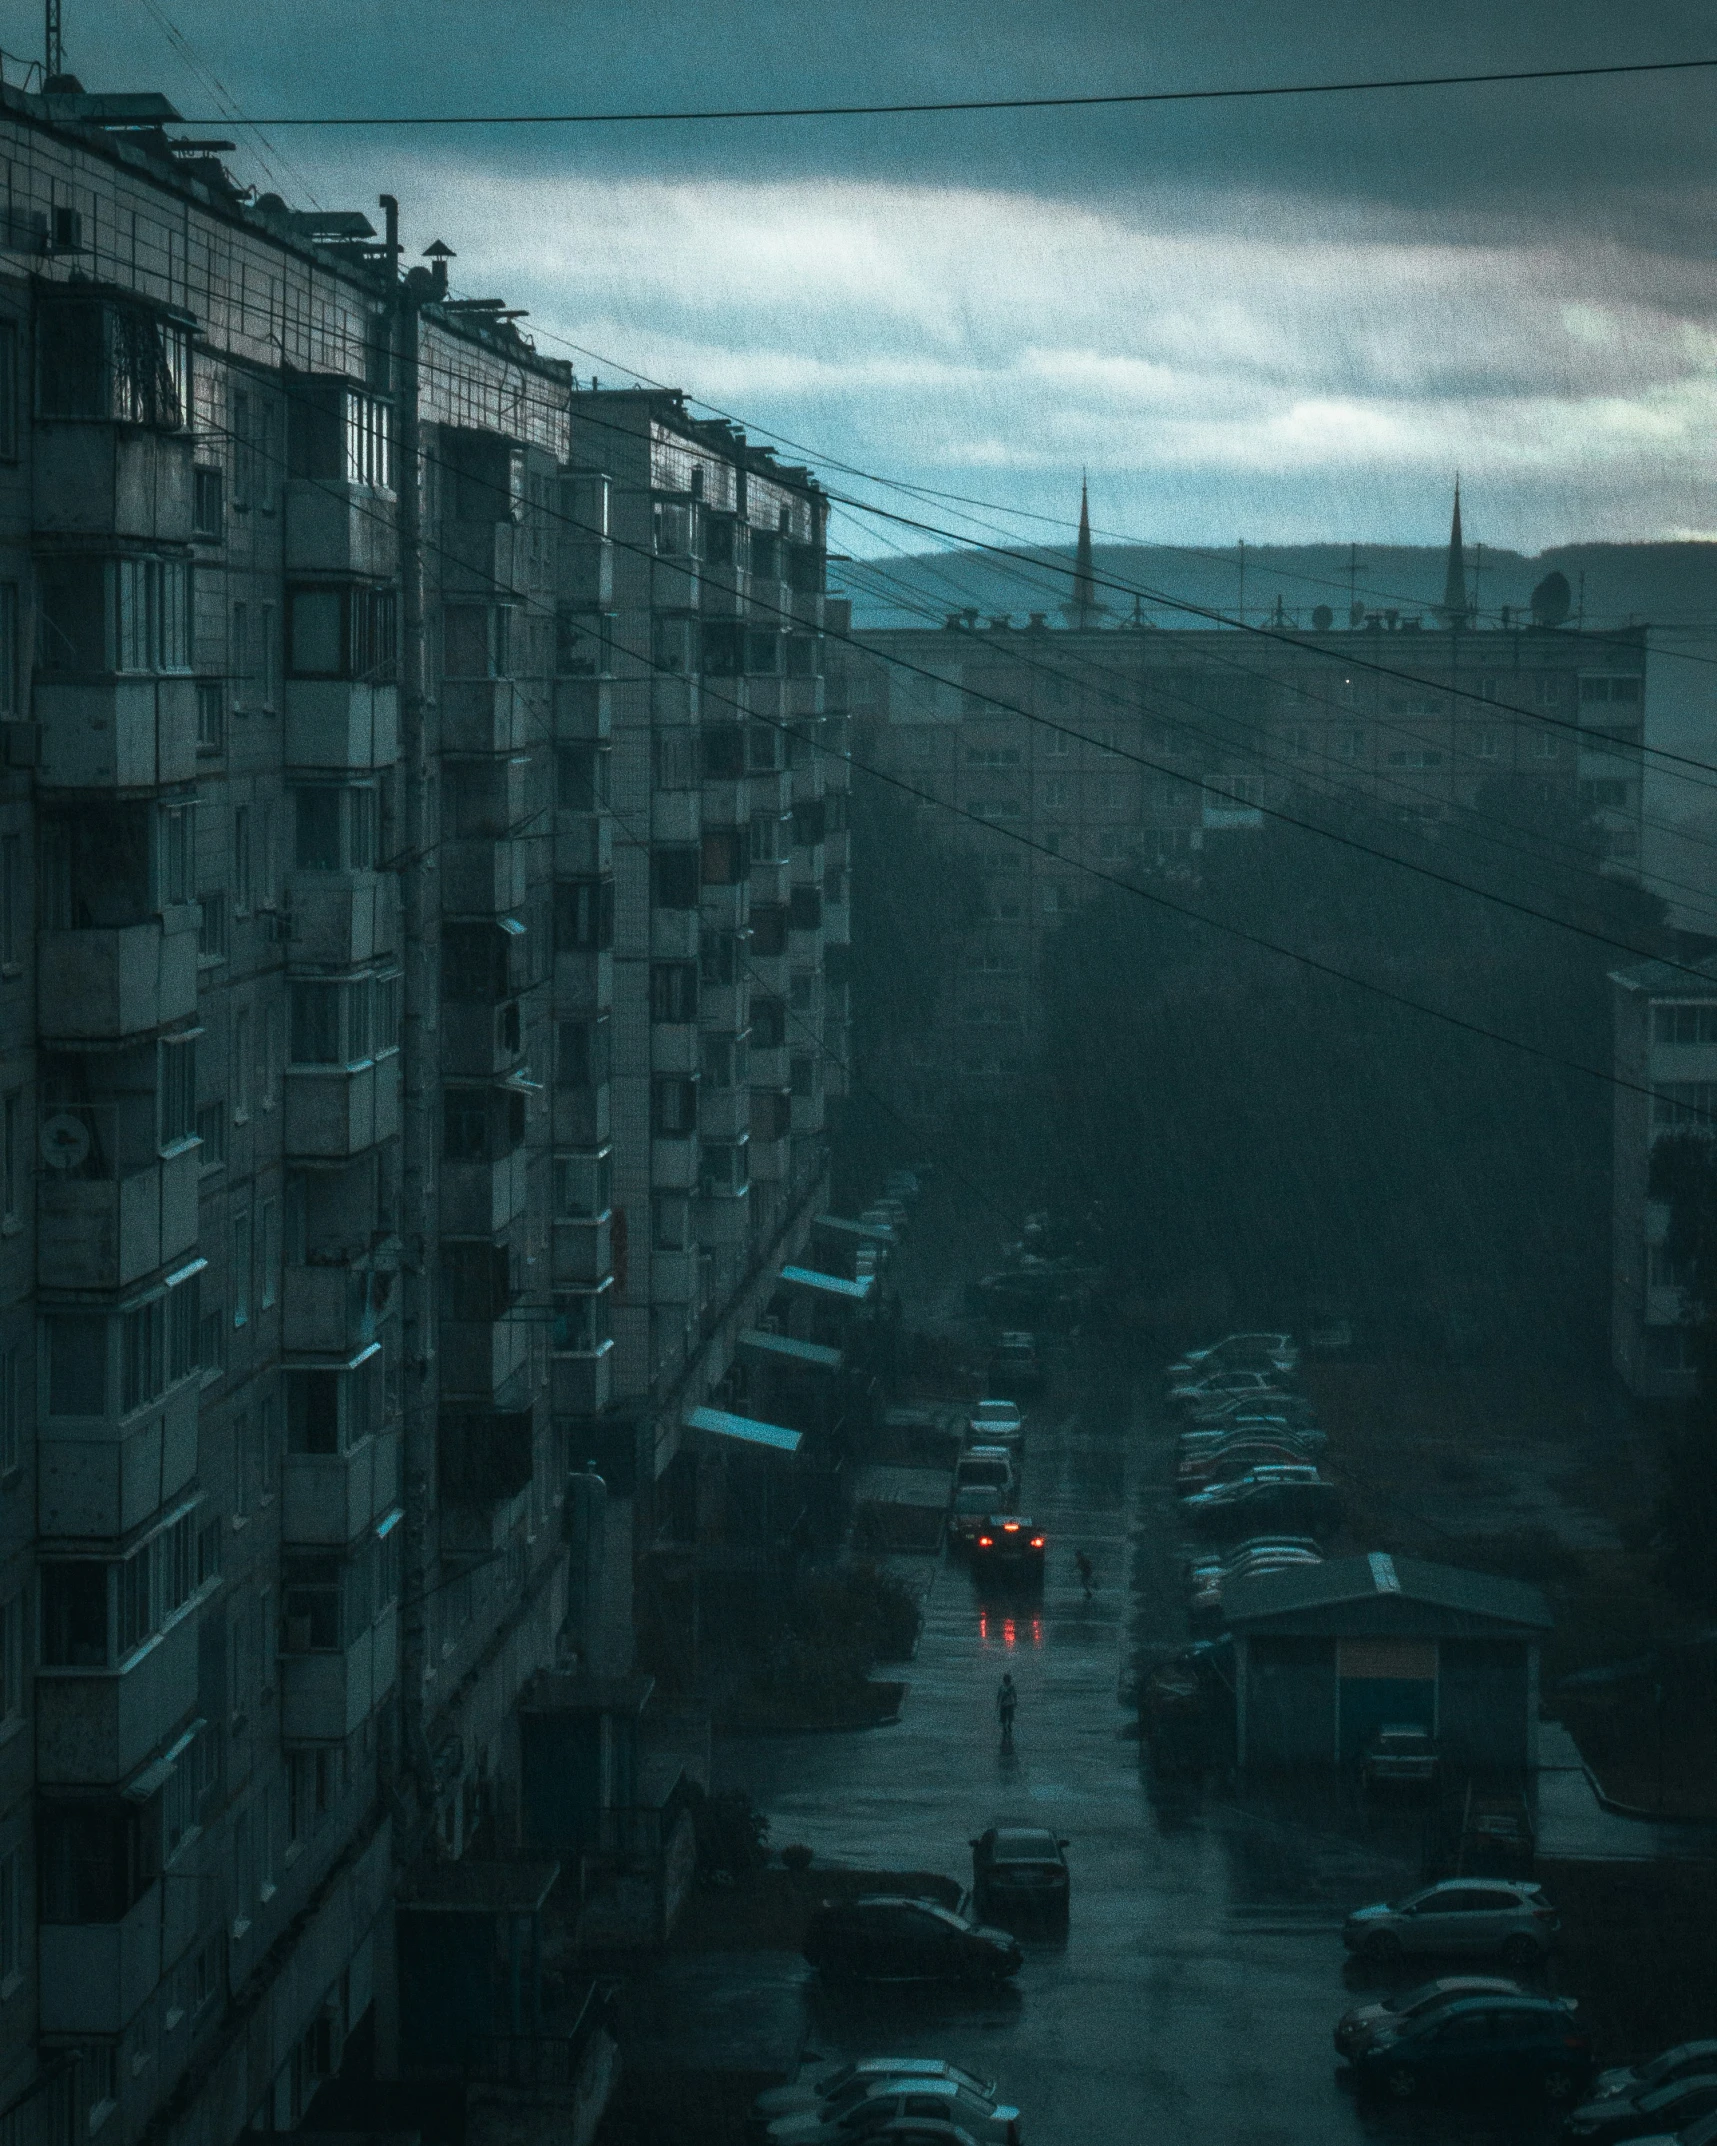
341, 920
110, 480
97, 1230
485, 715
340, 724
339, 528
97, 1729
116, 733
103, 1477
334, 1112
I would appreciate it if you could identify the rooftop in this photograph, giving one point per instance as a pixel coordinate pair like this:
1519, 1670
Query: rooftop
1291, 1590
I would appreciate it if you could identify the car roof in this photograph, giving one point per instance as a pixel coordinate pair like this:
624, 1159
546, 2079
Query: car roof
1481, 1885
1013, 1520
1023, 1841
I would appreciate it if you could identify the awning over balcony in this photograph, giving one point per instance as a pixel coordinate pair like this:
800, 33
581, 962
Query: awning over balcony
830, 1285
812, 1354
871, 1232
142, 1786
745, 1428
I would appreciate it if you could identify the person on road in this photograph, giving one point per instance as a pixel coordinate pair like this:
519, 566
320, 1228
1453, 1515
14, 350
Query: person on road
1007, 1699
1083, 1566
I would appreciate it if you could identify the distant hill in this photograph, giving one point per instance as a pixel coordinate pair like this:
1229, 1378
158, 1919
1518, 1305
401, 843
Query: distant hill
1670, 587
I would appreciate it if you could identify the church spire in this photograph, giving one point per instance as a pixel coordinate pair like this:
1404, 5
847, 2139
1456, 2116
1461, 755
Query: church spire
1084, 609
1455, 609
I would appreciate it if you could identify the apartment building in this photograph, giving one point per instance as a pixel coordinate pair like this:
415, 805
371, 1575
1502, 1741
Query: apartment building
1665, 1038
402, 1119
1128, 749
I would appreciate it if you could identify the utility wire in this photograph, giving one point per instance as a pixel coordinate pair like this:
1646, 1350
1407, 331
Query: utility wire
930, 107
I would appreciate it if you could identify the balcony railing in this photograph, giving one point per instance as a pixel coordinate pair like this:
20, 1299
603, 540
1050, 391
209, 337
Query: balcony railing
539, 2063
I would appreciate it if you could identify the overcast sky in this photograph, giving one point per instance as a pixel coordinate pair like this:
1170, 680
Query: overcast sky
1280, 321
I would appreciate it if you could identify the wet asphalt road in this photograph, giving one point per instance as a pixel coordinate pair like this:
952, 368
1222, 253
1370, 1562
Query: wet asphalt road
1194, 1992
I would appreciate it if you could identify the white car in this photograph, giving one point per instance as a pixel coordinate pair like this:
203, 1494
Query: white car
820, 2088
884, 2101
996, 1423
1222, 1386
1239, 1352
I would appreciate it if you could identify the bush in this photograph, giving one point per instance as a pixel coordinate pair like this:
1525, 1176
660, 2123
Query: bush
732, 1833
859, 1610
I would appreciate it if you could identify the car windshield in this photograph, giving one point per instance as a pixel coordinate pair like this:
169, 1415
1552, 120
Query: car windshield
976, 1500
1676, 2059
1025, 1846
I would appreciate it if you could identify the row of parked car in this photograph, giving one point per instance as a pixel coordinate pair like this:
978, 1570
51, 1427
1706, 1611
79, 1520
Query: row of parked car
1250, 1443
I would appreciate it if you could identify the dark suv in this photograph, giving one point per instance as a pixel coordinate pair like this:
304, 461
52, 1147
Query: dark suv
1019, 1870
886, 1937
1486, 2044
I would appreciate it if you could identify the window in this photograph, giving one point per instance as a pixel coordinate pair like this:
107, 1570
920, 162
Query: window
670, 1221
676, 759
11, 898
241, 860
582, 1053
9, 706
212, 925
238, 1276
8, 391
768, 1024
316, 1024
12, 1659
722, 1169
582, 1186
351, 631
1684, 1024
212, 1132
178, 1092
725, 861
673, 1108
1549, 745
583, 915
112, 358
1490, 744
673, 991
1670, 1270
476, 641
583, 644
184, 1324
270, 653
674, 878
208, 518
11, 1111
581, 776
268, 1252
242, 1063
174, 862
100, 616
142, 1354
1604, 796
211, 715
77, 1363
1414, 756
1611, 689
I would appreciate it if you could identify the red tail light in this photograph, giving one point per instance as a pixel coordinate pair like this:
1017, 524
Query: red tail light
1037, 1542
1010, 1527
985, 1542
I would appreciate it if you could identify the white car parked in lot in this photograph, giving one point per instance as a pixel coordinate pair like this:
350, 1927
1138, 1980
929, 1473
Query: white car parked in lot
884, 2101
1504, 1917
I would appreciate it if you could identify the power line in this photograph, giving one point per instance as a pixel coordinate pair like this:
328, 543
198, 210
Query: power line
928, 107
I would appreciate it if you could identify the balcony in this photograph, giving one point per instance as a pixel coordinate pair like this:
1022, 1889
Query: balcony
341, 920
584, 1250
484, 715
676, 815
582, 708
103, 1479
101, 480
485, 1457
334, 1310
331, 1498
673, 700
99, 1232
98, 1730
585, 571
583, 1117
674, 584
480, 1040
583, 844
479, 1199
333, 1112
674, 1277
674, 1165
724, 1113
116, 733
96, 985
339, 724
770, 1068
479, 1356
722, 1220
674, 934
97, 1976
482, 878
582, 1385
338, 528
325, 1697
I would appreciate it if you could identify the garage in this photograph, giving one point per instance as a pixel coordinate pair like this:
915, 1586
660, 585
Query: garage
1327, 1655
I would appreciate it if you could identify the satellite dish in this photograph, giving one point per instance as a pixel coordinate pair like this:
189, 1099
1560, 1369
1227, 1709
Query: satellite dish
1323, 618
1552, 600
65, 1141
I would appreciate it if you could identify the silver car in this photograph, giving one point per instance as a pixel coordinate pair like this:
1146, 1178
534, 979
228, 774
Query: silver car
988, 2121
1494, 1917
824, 2085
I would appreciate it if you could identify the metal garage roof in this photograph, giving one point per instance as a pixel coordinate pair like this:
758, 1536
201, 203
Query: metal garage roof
747, 1429
811, 1353
1296, 1591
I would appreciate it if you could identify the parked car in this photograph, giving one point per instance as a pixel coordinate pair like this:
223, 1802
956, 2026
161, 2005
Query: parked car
1680, 2062
991, 1466
1226, 1408
973, 1510
887, 1937
997, 1422
1233, 1351
884, 2102
1188, 1394
1014, 1365
1211, 1562
1509, 1918
1649, 2112
1020, 1870
1009, 1546
1234, 1457
1492, 2045
1206, 1601
901, 1185
1403, 1752
1362, 2023
1275, 1493
827, 2081
1299, 1427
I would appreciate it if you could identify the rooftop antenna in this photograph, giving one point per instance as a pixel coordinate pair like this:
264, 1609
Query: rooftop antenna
56, 53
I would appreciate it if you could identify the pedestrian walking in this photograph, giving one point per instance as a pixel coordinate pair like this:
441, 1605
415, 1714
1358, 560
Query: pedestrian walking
1083, 1566
1007, 1699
